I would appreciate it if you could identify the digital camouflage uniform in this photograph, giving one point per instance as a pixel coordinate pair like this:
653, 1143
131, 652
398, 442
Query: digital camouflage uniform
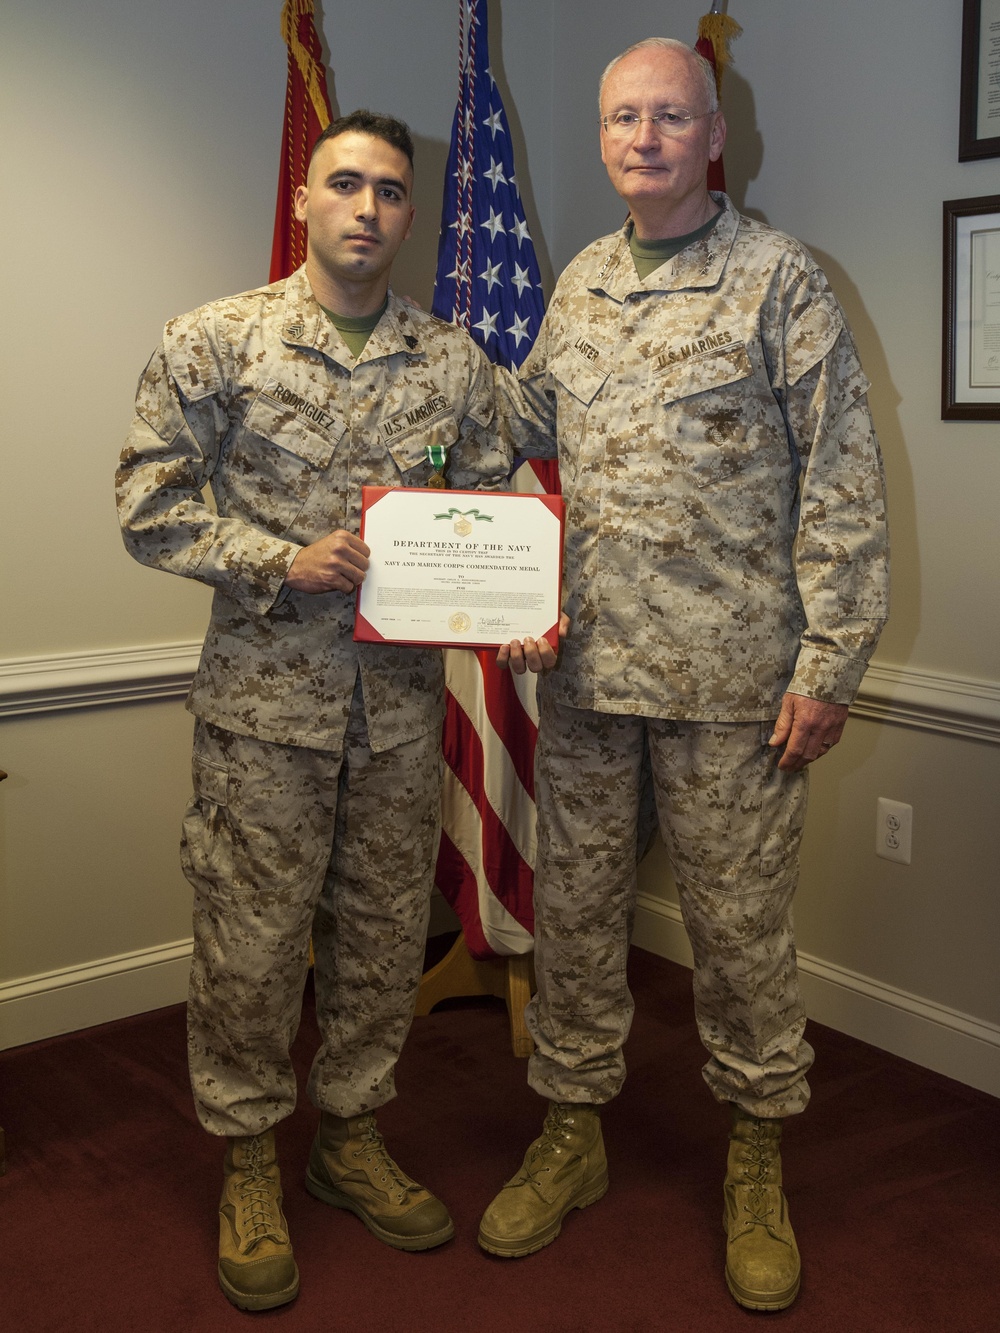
725, 542
317, 759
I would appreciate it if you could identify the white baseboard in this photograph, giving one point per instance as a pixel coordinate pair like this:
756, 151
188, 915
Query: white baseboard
52, 1003
949, 1042
945, 1040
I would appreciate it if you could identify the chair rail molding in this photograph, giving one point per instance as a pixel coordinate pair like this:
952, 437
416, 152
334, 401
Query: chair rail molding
930, 701
904, 696
91, 679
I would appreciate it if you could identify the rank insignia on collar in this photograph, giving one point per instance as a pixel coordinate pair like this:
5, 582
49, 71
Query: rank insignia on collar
410, 341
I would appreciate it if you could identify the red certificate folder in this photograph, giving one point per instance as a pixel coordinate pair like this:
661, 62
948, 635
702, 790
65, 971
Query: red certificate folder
459, 569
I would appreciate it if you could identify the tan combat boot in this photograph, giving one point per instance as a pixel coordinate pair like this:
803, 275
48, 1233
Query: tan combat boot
256, 1268
564, 1168
350, 1167
762, 1259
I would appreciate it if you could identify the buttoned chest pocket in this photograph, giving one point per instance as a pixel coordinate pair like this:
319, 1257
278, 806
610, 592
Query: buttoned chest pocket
578, 384
417, 449
710, 403
578, 381
276, 458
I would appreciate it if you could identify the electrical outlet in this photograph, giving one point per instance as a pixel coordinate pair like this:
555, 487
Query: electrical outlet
893, 830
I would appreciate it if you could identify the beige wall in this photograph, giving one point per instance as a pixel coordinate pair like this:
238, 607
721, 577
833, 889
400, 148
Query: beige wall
141, 182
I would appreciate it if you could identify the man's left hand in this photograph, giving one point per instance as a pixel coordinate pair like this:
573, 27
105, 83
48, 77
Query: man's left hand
807, 728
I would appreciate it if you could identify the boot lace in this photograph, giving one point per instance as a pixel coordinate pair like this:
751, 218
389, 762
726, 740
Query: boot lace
757, 1162
259, 1216
551, 1143
376, 1156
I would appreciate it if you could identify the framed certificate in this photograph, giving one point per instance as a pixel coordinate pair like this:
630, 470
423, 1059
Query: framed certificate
970, 376
459, 569
979, 104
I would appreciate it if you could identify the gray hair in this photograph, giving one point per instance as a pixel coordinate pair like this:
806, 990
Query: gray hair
670, 44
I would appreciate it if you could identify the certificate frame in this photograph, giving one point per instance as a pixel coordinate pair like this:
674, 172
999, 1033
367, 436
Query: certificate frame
970, 371
979, 61
491, 574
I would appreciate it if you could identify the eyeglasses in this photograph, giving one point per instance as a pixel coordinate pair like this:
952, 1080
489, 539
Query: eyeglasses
671, 124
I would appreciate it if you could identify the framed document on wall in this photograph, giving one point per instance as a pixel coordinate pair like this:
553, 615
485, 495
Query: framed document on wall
970, 372
979, 111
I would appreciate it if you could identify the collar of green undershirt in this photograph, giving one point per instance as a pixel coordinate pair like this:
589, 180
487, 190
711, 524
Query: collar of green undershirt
355, 329
649, 255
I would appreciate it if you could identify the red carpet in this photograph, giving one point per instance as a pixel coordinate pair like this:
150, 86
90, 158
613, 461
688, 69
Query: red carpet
107, 1213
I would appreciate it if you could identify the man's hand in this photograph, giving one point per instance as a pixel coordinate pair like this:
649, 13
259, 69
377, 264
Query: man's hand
531, 655
336, 563
807, 728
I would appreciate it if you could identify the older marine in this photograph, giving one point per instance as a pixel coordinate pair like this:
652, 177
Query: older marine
726, 580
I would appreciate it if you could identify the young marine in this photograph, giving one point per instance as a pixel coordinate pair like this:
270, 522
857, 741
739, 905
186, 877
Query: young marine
317, 760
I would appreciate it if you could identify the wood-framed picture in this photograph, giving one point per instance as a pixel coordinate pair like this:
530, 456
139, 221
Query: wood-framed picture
979, 107
970, 371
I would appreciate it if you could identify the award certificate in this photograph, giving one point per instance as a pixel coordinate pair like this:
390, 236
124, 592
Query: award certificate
472, 569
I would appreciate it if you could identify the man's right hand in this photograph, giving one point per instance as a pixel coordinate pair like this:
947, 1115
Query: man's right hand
533, 655
336, 563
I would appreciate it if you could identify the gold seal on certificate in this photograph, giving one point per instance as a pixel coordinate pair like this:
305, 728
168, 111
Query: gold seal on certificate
470, 569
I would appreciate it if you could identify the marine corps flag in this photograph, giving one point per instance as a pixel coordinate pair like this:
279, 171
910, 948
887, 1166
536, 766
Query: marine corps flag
715, 32
488, 282
307, 114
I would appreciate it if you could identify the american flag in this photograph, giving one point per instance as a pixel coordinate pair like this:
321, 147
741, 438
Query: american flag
487, 275
488, 282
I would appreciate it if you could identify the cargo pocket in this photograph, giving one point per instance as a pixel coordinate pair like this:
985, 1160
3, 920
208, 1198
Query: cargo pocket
206, 839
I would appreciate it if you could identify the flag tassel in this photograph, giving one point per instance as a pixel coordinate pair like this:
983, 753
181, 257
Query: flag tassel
292, 11
721, 31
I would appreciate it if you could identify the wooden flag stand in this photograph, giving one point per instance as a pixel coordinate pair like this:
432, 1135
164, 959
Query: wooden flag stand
511, 979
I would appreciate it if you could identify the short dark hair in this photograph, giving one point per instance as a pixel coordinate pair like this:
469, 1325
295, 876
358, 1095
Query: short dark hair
393, 131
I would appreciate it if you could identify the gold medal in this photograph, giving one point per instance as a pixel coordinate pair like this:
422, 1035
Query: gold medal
437, 481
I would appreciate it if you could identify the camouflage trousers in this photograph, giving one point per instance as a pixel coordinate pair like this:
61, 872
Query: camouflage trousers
732, 824
282, 843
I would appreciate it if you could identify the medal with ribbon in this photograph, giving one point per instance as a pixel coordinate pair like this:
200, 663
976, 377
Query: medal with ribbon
437, 456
